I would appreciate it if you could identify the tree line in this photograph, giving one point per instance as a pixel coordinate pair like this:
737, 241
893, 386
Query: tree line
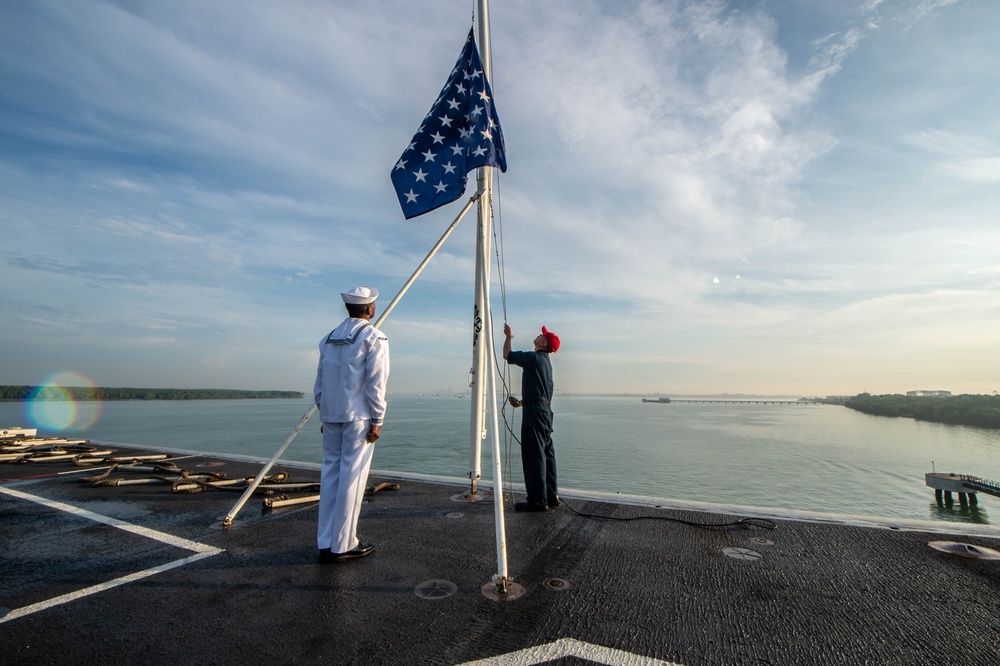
84, 393
973, 410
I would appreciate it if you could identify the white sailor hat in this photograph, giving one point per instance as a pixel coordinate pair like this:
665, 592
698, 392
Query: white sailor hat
360, 295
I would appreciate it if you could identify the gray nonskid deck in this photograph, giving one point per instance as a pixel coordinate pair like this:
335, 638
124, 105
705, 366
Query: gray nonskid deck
594, 590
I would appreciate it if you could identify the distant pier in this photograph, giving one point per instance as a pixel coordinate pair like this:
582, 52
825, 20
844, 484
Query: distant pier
965, 485
746, 401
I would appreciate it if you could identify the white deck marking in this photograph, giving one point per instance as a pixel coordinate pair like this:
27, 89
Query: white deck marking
570, 647
201, 551
94, 589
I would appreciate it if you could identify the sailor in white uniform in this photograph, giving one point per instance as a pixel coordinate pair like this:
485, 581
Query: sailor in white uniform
350, 394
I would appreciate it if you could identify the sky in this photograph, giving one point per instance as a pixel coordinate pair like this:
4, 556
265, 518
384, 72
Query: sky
773, 197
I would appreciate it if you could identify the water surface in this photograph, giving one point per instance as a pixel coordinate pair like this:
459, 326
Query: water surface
812, 457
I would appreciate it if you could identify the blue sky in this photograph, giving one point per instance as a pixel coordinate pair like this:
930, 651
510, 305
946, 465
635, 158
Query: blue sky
777, 197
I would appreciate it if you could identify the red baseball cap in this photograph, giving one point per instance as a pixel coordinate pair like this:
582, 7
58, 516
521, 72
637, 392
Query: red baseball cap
552, 339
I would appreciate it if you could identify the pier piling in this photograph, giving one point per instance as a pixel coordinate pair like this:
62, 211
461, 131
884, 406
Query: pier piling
968, 488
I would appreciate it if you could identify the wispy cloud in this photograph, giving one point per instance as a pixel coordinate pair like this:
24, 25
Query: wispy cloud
706, 192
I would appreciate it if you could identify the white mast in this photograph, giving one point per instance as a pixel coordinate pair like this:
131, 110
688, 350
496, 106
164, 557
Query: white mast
482, 340
483, 357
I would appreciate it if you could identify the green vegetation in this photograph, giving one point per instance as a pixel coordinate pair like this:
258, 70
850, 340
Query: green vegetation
972, 410
16, 393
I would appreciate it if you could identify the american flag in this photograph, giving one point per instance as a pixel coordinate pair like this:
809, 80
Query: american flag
460, 133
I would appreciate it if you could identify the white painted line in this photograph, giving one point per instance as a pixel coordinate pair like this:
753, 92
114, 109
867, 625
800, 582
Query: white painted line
570, 647
94, 589
162, 537
201, 551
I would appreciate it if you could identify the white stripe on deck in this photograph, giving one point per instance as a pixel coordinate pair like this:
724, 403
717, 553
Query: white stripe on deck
569, 647
201, 551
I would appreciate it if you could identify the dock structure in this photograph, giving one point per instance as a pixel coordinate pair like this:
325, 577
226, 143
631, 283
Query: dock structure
731, 401
745, 402
965, 485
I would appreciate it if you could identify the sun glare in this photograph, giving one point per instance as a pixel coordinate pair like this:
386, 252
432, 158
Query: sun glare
65, 401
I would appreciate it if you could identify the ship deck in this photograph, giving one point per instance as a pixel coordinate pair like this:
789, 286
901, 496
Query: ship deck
137, 574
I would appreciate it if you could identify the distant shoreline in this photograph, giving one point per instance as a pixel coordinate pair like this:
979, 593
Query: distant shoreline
103, 393
636, 396
981, 411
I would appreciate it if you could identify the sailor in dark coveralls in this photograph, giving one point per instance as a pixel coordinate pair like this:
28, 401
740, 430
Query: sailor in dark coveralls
538, 453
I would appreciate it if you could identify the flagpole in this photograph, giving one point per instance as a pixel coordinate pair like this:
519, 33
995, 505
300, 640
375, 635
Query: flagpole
501, 577
483, 343
478, 385
228, 520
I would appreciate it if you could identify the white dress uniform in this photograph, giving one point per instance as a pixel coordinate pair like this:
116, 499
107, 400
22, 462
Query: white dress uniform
350, 394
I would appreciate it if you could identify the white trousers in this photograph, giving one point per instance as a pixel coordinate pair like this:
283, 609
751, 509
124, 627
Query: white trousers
347, 457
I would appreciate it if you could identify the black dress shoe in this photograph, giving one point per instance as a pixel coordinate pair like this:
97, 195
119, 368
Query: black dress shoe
327, 556
553, 501
528, 506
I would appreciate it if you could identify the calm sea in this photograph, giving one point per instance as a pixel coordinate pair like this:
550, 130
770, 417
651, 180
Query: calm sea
810, 457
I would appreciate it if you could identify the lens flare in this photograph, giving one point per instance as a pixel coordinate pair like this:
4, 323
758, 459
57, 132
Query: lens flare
65, 401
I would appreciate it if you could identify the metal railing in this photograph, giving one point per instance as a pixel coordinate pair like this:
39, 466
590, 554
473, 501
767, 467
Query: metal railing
979, 483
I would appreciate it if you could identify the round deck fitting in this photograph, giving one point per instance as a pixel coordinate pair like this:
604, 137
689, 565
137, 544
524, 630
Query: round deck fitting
558, 584
742, 553
965, 550
455, 515
514, 591
436, 589
472, 498
761, 541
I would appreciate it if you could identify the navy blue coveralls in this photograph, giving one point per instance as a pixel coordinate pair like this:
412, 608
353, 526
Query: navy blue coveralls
538, 454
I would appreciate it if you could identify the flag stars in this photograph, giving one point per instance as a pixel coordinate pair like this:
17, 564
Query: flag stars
463, 120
